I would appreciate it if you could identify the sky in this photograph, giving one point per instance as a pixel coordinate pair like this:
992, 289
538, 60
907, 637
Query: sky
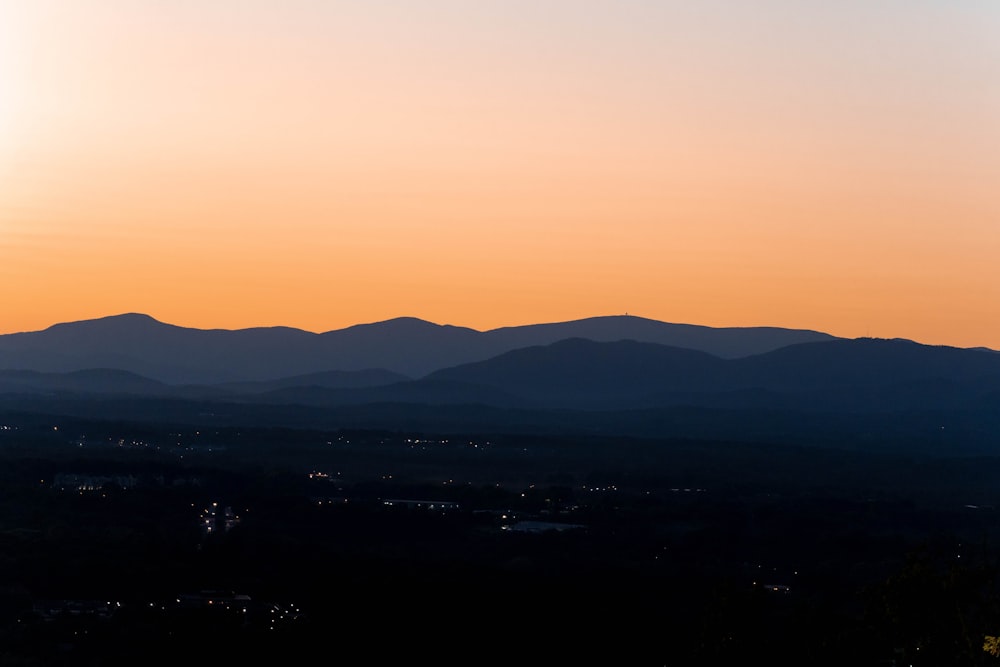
322, 163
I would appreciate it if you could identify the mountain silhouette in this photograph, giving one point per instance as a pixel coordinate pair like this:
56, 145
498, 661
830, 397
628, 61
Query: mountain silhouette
91, 381
581, 373
725, 342
867, 392
407, 346
856, 375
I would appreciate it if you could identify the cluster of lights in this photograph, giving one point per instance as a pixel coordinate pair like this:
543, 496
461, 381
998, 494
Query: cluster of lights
122, 442
331, 501
209, 518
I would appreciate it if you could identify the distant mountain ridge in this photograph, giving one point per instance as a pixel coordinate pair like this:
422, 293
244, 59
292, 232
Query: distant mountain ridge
869, 392
576, 373
854, 375
863, 392
405, 346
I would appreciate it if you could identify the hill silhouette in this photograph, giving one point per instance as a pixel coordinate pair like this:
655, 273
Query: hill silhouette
857, 375
407, 346
869, 392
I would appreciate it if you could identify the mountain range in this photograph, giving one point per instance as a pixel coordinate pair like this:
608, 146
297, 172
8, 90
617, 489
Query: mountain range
619, 374
407, 346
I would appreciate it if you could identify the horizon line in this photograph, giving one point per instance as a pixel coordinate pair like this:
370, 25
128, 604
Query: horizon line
136, 313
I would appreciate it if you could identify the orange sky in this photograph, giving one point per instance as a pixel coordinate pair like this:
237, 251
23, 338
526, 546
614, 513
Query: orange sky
320, 164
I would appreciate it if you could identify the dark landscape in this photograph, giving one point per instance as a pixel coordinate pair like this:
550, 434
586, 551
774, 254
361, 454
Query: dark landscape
614, 489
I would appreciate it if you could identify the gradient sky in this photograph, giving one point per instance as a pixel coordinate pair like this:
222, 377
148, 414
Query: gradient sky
322, 163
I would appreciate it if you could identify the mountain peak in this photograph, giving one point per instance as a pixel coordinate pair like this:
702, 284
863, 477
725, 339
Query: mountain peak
130, 320
402, 325
134, 317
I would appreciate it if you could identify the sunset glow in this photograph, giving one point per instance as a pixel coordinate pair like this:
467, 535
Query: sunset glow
831, 166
